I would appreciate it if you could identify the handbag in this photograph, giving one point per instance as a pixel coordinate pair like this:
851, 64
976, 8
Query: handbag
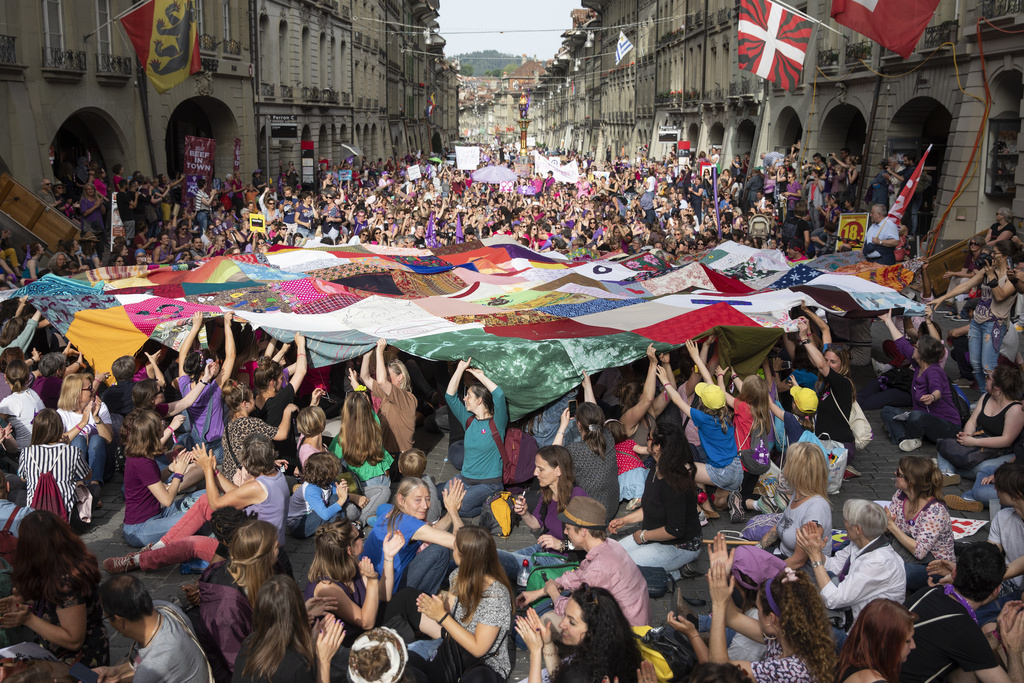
668, 650
541, 574
858, 422
836, 455
966, 457
452, 660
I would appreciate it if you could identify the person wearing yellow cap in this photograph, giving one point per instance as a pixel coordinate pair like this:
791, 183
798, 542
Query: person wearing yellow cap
715, 426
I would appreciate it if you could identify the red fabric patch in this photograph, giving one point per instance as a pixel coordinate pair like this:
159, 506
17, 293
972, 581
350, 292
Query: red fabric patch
725, 284
689, 325
556, 329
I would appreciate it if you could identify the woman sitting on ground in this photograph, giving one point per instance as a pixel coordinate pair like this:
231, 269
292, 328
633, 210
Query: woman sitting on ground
932, 415
670, 535
281, 646
878, 644
594, 462
360, 446
338, 572
84, 414
835, 390
555, 475
594, 625
918, 519
807, 474
51, 453
398, 404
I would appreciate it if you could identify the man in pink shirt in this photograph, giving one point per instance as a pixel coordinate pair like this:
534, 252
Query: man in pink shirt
607, 565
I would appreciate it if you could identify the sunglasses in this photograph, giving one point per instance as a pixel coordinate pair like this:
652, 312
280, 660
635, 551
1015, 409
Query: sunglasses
898, 474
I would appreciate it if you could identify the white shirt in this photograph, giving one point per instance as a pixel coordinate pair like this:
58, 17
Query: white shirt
877, 574
649, 184
886, 230
22, 407
72, 419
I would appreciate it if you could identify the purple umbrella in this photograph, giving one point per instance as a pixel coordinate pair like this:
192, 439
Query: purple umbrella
494, 175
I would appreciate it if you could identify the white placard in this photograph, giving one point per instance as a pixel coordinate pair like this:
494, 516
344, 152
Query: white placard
467, 158
414, 172
568, 173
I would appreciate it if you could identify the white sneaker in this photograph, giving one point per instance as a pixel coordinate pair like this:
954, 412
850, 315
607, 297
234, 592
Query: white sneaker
880, 368
910, 445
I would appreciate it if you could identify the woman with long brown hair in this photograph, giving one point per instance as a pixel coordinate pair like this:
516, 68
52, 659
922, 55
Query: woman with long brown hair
919, 520
360, 446
594, 462
51, 453
57, 582
275, 397
556, 477
393, 387
878, 644
281, 645
228, 590
241, 424
476, 614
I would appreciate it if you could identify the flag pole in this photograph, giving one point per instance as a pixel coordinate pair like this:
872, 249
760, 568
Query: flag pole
809, 18
110, 21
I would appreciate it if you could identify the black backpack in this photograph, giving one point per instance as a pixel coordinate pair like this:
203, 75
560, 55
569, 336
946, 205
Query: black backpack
963, 406
789, 226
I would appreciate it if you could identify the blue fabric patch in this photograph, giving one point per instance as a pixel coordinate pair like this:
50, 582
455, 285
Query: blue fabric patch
798, 275
587, 307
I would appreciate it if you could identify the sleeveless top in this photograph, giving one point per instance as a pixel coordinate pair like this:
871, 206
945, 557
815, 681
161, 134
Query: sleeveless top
993, 424
852, 670
275, 508
357, 595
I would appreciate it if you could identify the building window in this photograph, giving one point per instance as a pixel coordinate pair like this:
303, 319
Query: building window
227, 20
282, 53
103, 26
1002, 166
53, 25
197, 7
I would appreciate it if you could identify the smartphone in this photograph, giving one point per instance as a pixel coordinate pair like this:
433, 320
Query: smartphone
572, 408
80, 672
786, 365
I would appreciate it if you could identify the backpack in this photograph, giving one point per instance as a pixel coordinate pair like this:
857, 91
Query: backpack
789, 227
8, 541
517, 452
658, 581
963, 406
48, 496
668, 650
499, 515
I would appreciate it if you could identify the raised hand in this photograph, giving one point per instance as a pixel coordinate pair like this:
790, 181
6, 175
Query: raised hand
393, 543
366, 569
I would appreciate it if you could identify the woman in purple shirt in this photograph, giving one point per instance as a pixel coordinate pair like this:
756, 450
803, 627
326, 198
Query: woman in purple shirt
932, 413
556, 477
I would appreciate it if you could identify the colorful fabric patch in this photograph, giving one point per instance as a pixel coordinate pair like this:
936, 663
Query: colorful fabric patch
573, 310
254, 299
798, 275
148, 314
328, 304
503, 319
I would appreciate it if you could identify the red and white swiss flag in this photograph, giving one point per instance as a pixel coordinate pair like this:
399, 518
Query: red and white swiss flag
773, 41
893, 24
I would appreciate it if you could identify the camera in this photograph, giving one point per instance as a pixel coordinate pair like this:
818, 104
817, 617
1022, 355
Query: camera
983, 260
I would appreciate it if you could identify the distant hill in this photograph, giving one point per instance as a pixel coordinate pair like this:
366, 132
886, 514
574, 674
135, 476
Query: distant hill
487, 60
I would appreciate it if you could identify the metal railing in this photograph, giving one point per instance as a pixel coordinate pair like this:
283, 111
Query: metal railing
744, 86
716, 95
990, 9
8, 55
287, 92
946, 32
67, 60
232, 47
210, 65
828, 57
115, 64
207, 42
329, 96
724, 15
858, 51
267, 89
310, 94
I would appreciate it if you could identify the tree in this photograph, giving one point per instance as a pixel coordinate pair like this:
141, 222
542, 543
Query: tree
509, 68
467, 70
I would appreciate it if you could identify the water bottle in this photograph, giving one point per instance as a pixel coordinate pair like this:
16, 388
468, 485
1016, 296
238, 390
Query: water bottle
524, 575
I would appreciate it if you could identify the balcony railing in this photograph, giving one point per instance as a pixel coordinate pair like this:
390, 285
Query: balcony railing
716, 95
207, 42
723, 16
828, 57
115, 64
310, 94
232, 47
66, 60
287, 92
946, 32
698, 18
858, 51
329, 96
990, 9
8, 55
267, 89
744, 86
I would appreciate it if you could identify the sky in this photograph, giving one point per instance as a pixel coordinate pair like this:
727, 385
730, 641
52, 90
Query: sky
485, 15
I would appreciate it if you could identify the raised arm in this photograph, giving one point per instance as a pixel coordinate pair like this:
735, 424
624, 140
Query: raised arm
588, 389
673, 394
229, 352
301, 362
382, 369
453, 383
186, 344
632, 417
698, 355
813, 352
826, 333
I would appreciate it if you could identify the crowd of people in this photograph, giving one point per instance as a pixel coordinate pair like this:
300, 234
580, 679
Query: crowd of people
221, 450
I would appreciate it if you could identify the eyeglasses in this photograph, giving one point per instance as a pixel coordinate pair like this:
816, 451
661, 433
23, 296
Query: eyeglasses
898, 474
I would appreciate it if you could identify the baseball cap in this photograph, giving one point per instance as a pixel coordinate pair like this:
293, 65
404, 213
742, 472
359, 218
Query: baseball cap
711, 394
805, 400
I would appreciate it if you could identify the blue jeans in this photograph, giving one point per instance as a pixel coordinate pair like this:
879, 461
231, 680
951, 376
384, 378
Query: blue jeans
983, 341
512, 562
95, 451
974, 472
983, 493
919, 425
154, 528
476, 496
632, 483
662, 555
428, 569
917, 576
203, 220
546, 428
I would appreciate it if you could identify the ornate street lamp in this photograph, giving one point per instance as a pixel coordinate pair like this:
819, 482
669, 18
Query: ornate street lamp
524, 123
